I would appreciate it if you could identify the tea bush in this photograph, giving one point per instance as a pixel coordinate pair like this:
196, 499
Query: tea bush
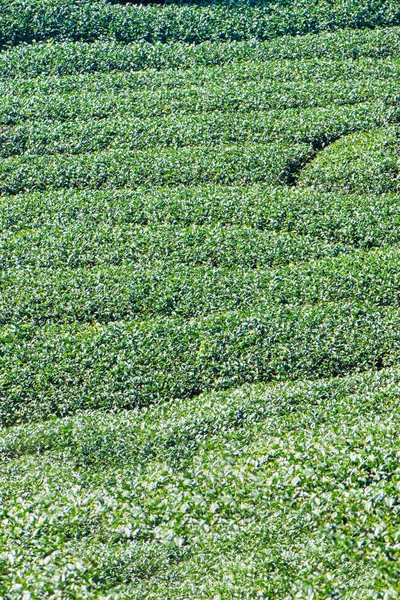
71, 58
199, 300
24, 21
315, 126
306, 470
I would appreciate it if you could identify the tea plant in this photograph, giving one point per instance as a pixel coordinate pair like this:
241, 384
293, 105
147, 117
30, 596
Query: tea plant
199, 300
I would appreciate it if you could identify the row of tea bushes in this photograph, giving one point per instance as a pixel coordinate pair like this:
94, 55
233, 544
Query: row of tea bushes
316, 126
210, 245
271, 163
362, 162
241, 71
359, 220
57, 370
167, 288
228, 96
71, 58
24, 21
373, 157
192, 482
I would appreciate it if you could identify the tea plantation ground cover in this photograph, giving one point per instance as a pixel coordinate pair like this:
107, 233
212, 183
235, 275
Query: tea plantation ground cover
199, 293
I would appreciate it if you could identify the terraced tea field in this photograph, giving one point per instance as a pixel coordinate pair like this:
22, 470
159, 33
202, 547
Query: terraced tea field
200, 300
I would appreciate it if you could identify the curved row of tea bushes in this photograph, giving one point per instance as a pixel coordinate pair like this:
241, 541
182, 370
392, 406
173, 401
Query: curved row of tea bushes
366, 162
316, 126
374, 167
241, 71
194, 482
24, 21
271, 163
210, 245
226, 96
69, 58
95, 438
57, 370
252, 231
358, 220
106, 294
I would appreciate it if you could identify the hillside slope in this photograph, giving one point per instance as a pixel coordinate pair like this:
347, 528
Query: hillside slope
200, 320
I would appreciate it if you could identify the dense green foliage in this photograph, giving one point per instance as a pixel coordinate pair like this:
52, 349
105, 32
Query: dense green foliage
315, 126
199, 300
24, 21
280, 491
68, 58
59, 369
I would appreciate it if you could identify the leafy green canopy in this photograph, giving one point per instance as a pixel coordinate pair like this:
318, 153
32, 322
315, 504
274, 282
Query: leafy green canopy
199, 302
85, 20
68, 58
289, 489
